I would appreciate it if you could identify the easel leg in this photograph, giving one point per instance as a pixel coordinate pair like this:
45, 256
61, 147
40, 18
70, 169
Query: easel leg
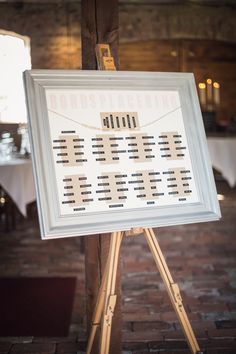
98, 310
106, 298
110, 297
172, 289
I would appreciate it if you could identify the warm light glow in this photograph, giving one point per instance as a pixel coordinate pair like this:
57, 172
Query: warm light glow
2, 200
201, 85
209, 81
216, 85
220, 197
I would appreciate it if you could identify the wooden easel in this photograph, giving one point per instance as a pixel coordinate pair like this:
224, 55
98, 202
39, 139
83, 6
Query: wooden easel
106, 299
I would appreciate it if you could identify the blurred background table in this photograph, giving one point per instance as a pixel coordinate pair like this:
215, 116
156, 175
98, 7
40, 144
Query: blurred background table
16, 179
223, 156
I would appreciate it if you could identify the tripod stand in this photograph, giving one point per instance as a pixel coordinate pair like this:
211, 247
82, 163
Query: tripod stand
106, 298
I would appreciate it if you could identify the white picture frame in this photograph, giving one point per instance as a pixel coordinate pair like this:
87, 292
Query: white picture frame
91, 177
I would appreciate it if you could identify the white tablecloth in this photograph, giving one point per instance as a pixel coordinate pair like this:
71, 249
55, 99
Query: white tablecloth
16, 178
223, 156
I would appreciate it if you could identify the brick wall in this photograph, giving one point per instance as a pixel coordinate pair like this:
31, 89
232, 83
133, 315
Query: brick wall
54, 28
147, 22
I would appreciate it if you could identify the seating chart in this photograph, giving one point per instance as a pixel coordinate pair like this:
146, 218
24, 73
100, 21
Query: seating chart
119, 150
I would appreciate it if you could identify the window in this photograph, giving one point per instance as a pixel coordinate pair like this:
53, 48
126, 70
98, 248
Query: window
14, 59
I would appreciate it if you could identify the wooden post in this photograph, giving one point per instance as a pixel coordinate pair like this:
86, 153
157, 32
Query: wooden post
99, 24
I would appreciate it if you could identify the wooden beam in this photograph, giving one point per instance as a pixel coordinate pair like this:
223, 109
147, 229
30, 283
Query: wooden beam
99, 24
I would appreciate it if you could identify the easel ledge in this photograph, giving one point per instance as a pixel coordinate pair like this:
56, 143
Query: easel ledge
106, 299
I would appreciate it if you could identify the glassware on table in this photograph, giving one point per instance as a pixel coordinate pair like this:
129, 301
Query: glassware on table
25, 145
6, 146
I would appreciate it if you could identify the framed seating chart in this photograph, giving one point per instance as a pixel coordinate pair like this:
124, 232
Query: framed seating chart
117, 150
